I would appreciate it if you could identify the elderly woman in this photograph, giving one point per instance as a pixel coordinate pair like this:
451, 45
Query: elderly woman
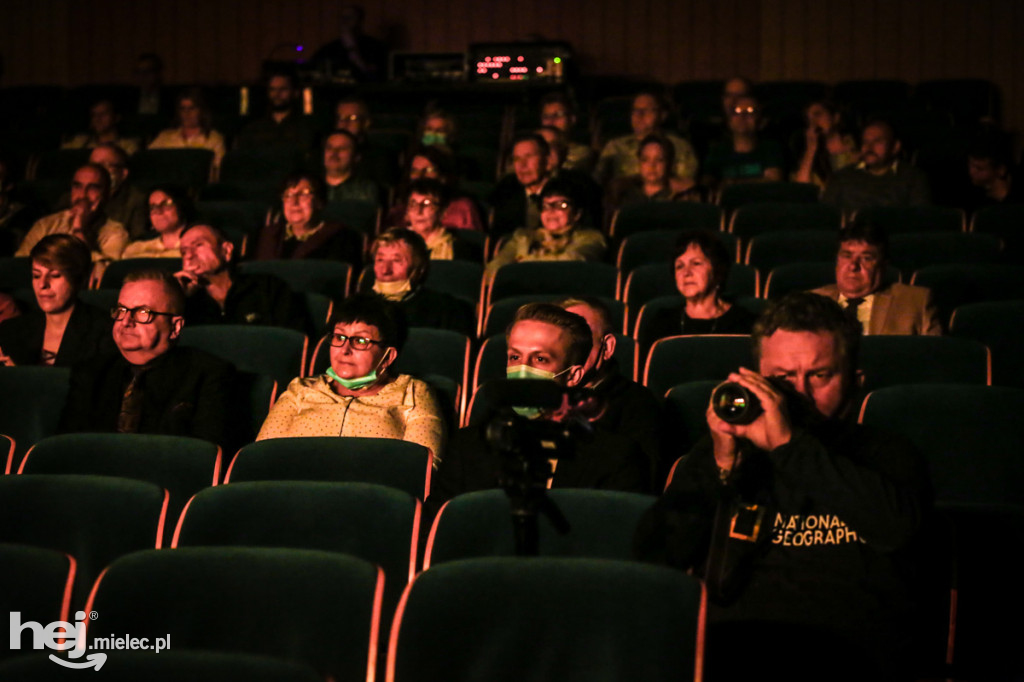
400, 264
360, 394
434, 163
170, 212
192, 128
558, 238
64, 330
299, 231
425, 204
656, 180
701, 265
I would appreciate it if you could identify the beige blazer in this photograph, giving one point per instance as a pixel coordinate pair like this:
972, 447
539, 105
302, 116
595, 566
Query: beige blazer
898, 309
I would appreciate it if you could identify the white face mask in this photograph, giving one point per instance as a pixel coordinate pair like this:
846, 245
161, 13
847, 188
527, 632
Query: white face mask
393, 291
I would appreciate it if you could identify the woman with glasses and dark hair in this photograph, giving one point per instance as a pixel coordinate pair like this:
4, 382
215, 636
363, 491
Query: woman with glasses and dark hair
433, 163
701, 263
300, 231
170, 212
192, 128
360, 394
64, 330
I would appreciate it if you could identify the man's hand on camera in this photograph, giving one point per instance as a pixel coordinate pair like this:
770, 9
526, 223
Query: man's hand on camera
770, 430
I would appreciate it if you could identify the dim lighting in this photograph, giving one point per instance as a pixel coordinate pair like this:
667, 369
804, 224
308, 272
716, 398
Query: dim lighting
558, 60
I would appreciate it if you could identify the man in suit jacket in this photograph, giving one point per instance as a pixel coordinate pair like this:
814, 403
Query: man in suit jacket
880, 308
151, 385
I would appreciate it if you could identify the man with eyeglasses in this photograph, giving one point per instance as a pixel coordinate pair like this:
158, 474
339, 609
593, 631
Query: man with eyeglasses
152, 385
218, 294
744, 156
647, 116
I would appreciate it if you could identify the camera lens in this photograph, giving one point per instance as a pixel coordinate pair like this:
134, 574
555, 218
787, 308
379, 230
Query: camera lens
735, 404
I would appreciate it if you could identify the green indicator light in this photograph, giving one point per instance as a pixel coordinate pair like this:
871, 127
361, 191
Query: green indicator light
558, 60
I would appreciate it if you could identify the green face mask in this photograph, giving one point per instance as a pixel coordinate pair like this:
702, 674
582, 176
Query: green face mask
528, 372
430, 139
358, 382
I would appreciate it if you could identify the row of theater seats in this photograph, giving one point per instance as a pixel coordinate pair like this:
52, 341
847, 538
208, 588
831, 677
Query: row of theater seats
358, 497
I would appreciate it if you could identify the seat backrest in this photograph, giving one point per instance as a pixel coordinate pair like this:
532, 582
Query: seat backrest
1000, 326
914, 250
272, 351
972, 436
500, 314
33, 398
363, 216
771, 249
648, 282
328, 277
894, 360
734, 196
665, 215
554, 277
272, 602
658, 246
602, 525
751, 220
895, 219
385, 461
681, 359
954, 285
95, 519
187, 167
686, 408
373, 522
551, 619
37, 584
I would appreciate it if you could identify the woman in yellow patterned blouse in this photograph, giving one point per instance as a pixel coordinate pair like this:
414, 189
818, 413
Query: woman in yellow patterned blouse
359, 394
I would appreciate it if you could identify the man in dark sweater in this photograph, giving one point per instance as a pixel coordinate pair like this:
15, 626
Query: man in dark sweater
217, 294
881, 178
801, 520
151, 385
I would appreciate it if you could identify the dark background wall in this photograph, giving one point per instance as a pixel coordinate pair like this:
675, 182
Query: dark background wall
224, 41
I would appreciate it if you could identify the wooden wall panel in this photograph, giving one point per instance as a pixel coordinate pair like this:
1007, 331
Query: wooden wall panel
224, 41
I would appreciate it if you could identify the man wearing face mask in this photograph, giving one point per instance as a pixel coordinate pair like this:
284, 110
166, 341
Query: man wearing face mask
544, 342
629, 408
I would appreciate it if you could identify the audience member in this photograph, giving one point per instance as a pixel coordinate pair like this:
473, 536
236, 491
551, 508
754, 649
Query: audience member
627, 408
401, 262
989, 166
170, 212
425, 204
438, 128
619, 156
151, 385
516, 198
655, 181
826, 146
300, 230
217, 294
192, 128
860, 288
149, 74
353, 114
14, 218
127, 204
588, 193
361, 395
64, 330
732, 90
103, 120
86, 219
801, 522
557, 111
743, 156
557, 239
355, 54
881, 178
544, 342
433, 163
283, 125
701, 264
342, 176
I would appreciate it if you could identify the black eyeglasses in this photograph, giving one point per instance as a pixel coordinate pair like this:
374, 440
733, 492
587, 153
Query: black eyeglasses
142, 314
358, 342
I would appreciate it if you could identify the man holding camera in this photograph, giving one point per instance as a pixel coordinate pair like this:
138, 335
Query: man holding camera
544, 342
799, 519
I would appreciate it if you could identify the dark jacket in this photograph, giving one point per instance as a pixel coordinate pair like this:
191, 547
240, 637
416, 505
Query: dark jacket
252, 299
185, 393
333, 241
87, 335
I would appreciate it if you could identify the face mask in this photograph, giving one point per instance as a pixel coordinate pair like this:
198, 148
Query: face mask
430, 139
528, 372
358, 382
393, 291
